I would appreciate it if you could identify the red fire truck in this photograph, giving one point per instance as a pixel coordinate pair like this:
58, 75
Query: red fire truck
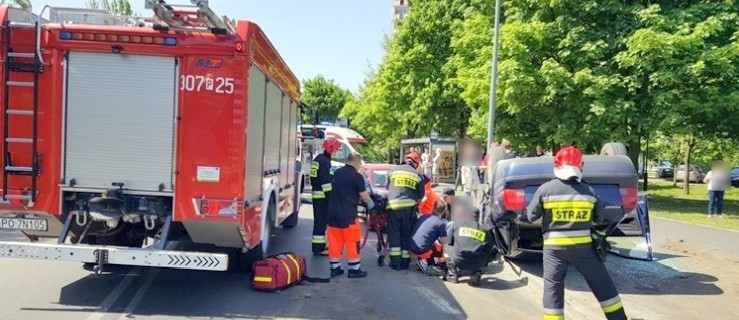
123, 136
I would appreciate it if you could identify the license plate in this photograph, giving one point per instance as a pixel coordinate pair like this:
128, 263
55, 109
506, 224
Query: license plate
23, 224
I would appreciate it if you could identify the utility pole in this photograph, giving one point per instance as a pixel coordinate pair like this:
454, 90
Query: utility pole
491, 108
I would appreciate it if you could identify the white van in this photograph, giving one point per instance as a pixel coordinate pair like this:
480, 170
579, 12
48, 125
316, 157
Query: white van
312, 137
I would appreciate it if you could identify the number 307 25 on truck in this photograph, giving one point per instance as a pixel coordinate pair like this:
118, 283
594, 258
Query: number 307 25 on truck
124, 135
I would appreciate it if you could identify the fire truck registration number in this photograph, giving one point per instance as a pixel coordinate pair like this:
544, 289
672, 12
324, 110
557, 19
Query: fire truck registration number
203, 83
23, 224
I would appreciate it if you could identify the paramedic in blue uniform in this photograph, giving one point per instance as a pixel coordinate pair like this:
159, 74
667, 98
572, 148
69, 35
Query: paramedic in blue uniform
568, 207
320, 181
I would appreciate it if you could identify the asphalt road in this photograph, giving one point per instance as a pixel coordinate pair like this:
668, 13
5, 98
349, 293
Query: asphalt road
688, 281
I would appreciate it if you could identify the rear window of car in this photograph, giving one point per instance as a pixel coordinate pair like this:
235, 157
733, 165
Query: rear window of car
735, 172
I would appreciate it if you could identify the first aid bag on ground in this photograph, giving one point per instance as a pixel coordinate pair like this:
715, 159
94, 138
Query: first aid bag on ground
280, 271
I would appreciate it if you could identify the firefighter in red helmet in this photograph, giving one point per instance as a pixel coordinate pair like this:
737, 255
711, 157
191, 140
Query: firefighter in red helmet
569, 207
320, 180
405, 189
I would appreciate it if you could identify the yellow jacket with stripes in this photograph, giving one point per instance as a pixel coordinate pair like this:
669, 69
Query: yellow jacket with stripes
567, 209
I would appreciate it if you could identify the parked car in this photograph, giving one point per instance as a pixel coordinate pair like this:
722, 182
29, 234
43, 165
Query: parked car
696, 174
735, 177
665, 172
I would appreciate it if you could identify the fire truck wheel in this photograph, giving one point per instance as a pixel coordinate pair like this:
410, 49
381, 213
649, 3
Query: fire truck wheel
241, 261
291, 221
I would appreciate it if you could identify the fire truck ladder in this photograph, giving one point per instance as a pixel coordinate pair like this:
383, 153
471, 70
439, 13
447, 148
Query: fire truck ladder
197, 17
12, 66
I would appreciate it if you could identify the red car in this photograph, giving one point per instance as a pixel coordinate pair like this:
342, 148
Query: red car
377, 175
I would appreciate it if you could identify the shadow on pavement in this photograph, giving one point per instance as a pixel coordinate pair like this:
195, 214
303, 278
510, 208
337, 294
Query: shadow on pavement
384, 294
639, 277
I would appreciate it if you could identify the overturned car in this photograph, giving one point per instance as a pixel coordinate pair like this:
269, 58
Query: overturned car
611, 174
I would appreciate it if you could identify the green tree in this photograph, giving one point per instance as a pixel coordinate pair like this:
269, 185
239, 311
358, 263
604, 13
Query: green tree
117, 7
324, 96
408, 95
23, 4
685, 60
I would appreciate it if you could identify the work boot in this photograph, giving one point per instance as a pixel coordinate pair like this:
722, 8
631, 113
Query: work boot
405, 264
323, 253
476, 278
359, 273
395, 263
337, 272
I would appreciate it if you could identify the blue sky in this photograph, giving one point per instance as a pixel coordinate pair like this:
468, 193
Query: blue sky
339, 39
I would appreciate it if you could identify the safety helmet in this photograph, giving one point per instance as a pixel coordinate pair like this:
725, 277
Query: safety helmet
568, 163
415, 157
569, 156
331, 145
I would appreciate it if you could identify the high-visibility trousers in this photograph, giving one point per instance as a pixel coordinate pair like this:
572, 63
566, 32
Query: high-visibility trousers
584, 258
320, 218
344, 238
435, 255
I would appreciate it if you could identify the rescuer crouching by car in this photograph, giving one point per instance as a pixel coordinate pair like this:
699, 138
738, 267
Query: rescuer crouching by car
343, 224
470, 246
568, 207
429, 237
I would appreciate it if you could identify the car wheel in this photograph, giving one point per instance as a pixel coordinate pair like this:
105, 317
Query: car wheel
614, 149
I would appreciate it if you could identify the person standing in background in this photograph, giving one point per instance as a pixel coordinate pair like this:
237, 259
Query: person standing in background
718, 180
436, 168
539, 151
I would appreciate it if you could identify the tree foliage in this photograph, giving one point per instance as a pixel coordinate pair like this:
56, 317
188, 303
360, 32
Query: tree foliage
117, 7
22, 4
324, 96
585, 71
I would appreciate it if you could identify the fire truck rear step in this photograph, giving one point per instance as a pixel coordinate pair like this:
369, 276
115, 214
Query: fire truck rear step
146, 257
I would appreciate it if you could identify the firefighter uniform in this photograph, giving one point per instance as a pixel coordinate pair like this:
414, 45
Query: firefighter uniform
469, 248
568, 209
320, 180
405, 189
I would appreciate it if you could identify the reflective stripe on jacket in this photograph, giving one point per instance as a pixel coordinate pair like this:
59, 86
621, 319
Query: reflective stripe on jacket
404, 188
320, 176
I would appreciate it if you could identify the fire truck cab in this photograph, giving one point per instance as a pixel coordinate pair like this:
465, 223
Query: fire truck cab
123, 134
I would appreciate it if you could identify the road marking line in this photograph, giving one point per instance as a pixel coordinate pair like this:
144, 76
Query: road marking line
139, 294
114, 295
438, 301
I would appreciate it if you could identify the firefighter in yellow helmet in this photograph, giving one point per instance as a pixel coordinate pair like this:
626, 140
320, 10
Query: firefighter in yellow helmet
568, 207
320, 181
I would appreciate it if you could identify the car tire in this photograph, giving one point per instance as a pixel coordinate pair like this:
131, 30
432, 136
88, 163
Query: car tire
614, 149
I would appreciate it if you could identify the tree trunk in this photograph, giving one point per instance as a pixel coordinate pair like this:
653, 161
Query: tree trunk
634, 150
686, 179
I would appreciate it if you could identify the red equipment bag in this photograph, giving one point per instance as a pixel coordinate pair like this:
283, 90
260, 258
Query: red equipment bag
280, 271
